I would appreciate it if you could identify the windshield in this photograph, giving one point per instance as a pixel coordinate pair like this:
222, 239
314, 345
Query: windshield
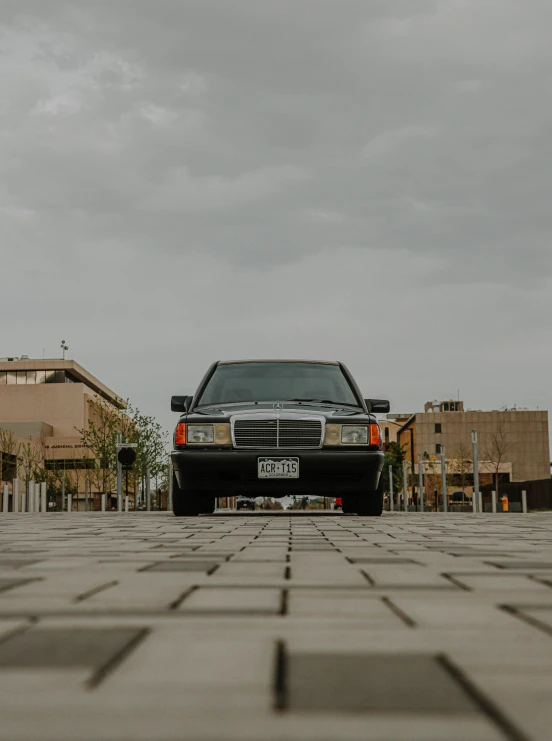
277, 382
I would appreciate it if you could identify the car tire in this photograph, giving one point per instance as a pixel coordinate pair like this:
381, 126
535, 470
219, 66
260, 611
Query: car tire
369, 504
349, 505
206, 504
185, 505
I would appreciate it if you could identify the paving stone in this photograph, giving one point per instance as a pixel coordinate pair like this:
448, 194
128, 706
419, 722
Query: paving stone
14, 563
56, 648
238, 600
6, 583
372, 682
173, 565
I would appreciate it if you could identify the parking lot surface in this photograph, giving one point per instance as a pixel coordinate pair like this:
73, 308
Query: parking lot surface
247, 626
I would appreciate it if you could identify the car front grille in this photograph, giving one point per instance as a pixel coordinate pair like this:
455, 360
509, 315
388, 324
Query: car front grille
278, 433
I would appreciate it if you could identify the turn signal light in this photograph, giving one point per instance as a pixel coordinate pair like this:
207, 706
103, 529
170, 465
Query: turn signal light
375, 435
180, 436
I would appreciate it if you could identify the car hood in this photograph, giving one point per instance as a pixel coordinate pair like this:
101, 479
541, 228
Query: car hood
226, 411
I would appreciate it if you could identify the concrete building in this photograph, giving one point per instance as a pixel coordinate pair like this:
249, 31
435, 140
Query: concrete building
521, 434
43, 403
390, 427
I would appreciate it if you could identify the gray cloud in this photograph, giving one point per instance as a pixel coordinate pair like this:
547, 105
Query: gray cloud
202, 178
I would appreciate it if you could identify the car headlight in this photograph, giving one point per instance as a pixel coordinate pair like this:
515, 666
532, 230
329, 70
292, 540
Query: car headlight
208, 434
201, 434
332, 435
354, 435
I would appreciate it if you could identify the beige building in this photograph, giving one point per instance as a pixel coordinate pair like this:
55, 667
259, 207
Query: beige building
43, 403
520, 435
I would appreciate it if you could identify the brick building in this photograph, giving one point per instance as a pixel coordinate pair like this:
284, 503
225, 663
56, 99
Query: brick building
524, 435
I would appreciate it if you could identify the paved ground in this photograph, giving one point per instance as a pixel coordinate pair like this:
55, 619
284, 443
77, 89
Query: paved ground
143, 626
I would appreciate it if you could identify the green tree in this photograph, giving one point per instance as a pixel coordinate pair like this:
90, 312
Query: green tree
100, 437
151, 440
395, 456
432, 478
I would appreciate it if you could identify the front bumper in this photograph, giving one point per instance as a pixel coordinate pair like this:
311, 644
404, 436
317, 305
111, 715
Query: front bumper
230, 472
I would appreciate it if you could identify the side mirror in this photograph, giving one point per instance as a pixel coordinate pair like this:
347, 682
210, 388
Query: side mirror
180, 403
378, 406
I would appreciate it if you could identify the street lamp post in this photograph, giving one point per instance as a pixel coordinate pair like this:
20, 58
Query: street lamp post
421, 481
475, 496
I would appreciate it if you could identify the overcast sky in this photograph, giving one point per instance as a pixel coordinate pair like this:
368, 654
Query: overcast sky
188, 180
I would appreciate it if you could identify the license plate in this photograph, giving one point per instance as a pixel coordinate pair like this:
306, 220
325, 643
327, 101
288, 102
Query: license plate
278, 468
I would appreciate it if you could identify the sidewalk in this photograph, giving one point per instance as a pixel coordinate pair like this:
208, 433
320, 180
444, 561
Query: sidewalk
273, 626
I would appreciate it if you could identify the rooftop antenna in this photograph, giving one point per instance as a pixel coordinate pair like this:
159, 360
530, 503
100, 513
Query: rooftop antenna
64, 347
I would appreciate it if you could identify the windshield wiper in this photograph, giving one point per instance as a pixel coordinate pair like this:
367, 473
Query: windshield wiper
325, 401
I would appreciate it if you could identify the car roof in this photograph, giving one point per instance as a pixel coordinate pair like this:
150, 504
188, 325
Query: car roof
278, 360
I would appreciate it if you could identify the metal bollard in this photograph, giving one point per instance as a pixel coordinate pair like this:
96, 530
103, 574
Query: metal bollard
493, 499
474, 502
391, 495
69, 502
480, 501
405, 487
524, 502
126, 503
5, 498
37, 497
15, 495
30, 497
43, 502
103, 502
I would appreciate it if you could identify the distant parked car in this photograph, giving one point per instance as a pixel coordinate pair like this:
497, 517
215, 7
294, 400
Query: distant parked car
243, 503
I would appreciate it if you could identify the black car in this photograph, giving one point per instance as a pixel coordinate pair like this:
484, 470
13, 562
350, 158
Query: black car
276, 428
244, 503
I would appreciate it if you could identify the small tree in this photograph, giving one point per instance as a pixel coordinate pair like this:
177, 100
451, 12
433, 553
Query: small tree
497, 450
151, 440
30, 462
461, 465
9, 450
100, 437
395, 457
432, 478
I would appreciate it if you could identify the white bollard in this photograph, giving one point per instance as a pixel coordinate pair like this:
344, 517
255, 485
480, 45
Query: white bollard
43, 503
493, 499
103, 502
30, 497
69, 502
126, 504
15, 495
37, 497
524, 502
480, 501
5, 498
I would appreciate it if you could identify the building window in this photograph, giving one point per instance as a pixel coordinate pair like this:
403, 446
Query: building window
438, 449
70, 464
3, 378
437, 428
387, 435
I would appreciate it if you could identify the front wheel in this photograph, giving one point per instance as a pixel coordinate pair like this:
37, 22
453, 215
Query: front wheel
370, 504
191, 504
